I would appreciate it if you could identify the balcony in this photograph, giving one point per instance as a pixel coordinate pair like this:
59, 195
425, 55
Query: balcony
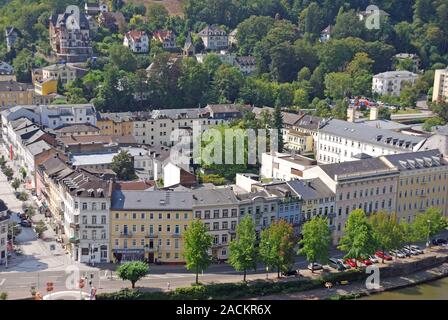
232, 231
151, 235
126, 235
176, 235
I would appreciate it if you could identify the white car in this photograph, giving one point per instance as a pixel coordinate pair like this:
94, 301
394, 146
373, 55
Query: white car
346, 266
373, 259
397, 253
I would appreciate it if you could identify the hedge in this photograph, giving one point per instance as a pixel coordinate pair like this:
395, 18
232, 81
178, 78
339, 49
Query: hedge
237, 290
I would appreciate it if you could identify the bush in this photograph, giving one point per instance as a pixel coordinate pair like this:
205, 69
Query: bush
3, 296
23, 196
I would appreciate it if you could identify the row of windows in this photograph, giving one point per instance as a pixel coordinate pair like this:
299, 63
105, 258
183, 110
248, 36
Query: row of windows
364, 193
93, 235
422, 191
125, 228
151, 216
224, 213
163, 125
224, 225
423, 204
325, 211
142, 242
368, 207
93, 206
423, 179
93, 219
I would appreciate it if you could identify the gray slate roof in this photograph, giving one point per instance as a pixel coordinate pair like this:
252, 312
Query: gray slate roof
214, 196
151, 200
365, 166
38, 147
417, 160
310, 189
371, 135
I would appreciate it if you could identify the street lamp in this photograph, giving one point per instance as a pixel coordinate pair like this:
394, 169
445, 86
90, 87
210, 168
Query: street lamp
428, 244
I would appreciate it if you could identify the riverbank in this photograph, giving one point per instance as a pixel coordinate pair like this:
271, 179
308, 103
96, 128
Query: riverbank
436, 263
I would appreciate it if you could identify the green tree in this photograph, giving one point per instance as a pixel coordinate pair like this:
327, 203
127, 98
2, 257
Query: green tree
408, 95
243, 251
8, 172
157, 15
358, 241
384, 114
197, 242
441, 109
338, 85
23, 172
15, 184
122, 57
316, 240
429, 224
387, 231
277, 246
433, 122
40, 228
228, 81
132, 271
123, 165
340, 109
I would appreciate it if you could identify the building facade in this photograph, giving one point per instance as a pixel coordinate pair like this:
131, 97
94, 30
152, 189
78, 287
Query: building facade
218, 209
149, 225
70, 35
4, 221
13, 93
340, 141
214, 38
391, 83
440, 90
137, 41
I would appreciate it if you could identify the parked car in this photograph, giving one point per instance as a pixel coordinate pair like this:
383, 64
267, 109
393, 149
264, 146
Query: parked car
417, 248
365, 262
335, 264
25, 223
405, 251
315, 266
412, 251
383, 255
398, 254
351, 263
346, 265
290, 273
439, 241
373, 259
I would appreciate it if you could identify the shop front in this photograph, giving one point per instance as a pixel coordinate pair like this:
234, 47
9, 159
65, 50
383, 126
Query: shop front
124, 255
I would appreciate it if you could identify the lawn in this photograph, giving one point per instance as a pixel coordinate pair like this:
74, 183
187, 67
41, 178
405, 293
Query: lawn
407, 111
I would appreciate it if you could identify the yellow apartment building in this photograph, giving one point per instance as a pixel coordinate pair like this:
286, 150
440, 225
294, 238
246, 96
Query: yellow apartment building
422, 183
46, 87
13, 93
149, 225
118, 124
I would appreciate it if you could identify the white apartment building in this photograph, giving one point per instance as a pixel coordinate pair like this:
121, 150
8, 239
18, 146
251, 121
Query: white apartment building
137, 41
440, 90
217, 207
390, 83
155, 128
340, 141
52, 116
4, 220
85, 203
284, 166
214, 38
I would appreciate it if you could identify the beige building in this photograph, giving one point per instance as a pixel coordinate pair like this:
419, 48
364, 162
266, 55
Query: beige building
149, 225
369, 184
13, 93
440, 90
422, 182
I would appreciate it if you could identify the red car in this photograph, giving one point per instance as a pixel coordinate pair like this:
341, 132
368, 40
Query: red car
351, 263
366, 262
383, 255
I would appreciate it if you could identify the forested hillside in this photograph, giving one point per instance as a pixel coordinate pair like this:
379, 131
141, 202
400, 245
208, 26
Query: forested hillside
294, 68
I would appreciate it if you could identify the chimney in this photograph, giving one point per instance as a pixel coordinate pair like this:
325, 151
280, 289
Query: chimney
374, 113
351, 114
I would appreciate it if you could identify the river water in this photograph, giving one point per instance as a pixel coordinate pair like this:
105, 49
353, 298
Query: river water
436, 290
